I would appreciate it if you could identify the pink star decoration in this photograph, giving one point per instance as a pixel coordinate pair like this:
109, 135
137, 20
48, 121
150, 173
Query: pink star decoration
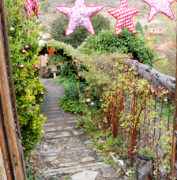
32, 5
160, 6
79, 15
124, 16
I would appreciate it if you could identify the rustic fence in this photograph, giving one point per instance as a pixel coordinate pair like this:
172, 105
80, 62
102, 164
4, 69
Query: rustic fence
143, 111
159, 114
11, 153
160, 80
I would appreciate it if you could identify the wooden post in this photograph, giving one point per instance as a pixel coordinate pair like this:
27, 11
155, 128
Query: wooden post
10, 139
174, 142
2, 168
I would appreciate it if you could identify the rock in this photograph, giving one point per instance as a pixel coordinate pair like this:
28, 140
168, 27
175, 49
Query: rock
88, 158
108, 172
50, 158
76, 133
85, 175
88, 142
121, 163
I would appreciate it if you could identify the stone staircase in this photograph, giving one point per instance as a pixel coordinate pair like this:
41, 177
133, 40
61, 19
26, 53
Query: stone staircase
64, 152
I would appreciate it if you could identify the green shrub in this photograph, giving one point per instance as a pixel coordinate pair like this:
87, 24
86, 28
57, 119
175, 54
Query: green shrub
59, 27
126, 42
27, 88
139, 27
45, 6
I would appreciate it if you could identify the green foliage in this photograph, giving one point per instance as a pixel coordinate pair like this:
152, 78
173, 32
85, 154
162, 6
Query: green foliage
146, 27
32, 171
59, 27
45, 6
88, 125
27, 88
64, 56
70, 100
126, 42
139, 27
147, 152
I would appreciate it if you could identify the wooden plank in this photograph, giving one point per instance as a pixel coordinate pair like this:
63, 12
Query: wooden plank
8, 63
174, 142
157, 79
16, 161
3, 146
2, 169
10, 80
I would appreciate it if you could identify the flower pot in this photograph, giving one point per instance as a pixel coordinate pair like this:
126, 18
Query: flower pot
144, 168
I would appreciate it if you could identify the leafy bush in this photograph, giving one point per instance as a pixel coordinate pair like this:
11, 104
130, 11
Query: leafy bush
126, 42
139, 27
27, 87
59, 27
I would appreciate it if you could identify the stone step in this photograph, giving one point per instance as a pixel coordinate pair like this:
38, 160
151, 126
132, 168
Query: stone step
58, 137
47, 128
60, 114
52, 110
85, 175
55, 120
64, 151
64, 124
75, 169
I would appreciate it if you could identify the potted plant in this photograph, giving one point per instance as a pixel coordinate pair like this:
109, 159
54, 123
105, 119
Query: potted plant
144, 164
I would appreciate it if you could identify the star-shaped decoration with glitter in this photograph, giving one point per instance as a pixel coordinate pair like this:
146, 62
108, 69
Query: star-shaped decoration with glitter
31, 5
124, 16
51, 51
158, 6
79, 15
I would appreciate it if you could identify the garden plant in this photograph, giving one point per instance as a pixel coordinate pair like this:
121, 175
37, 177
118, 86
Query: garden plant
24, 37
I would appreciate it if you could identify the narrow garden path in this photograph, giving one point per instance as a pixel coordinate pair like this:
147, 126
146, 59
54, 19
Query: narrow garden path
64, 152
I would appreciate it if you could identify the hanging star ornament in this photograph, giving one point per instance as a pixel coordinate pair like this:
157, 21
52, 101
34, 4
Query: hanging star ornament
160, 6
79, 15
124, 16
51, 51
31, 5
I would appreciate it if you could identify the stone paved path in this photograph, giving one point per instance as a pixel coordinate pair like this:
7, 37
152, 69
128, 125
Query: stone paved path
64, 152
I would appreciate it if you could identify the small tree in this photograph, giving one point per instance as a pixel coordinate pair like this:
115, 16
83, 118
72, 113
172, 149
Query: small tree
59, 26
146, 27
139, 27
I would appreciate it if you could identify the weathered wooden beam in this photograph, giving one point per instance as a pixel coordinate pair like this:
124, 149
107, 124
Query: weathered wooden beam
10, 78
4, 146
158, 79
174, 141
2, 169
9, 125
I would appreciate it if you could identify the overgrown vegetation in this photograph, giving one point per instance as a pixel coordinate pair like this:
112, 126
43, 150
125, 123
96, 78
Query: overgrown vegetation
59, 27
115, 103
23, 32
128, 43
